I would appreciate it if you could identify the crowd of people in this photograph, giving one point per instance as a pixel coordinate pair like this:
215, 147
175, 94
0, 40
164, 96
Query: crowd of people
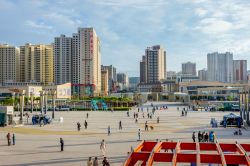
204, 136
95, 162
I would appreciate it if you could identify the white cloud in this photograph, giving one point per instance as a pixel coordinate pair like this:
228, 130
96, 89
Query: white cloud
132, 3
214, 26
200, 12
38, 25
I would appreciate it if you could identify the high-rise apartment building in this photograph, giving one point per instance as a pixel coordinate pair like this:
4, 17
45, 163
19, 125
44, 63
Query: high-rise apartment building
153, 65
189, 68
105, 83
202, 74
156, 63
143, 70
112, 76
220, 67
240, 71
9, 63
122, 79
36, 63
86, 63
133, 83
62, 59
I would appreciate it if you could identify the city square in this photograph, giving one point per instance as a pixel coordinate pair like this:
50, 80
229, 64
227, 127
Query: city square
37, 145
124, 83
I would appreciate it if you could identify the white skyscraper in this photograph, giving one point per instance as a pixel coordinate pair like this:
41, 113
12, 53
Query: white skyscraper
86, 63
122, 79
202, 74
62, 59
220, 67
189, 68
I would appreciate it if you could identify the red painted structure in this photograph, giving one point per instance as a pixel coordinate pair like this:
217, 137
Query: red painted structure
177, 153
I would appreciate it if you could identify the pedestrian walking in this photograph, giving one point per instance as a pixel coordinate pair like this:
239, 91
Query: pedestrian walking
120, 125
127, 113
139, 134
199, 136
8, 139
136, 120
86, 124
109, 131
134, 115
203, 136
62, 144
146, 126
13, 139
158, 119
206, 137
105, 162
193, 136
103, 147
87, 115
78, 126
89, 162
95, 163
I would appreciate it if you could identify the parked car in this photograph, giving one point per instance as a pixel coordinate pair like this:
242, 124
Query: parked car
63, 108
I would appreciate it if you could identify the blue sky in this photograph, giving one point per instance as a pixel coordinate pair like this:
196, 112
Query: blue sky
188, 29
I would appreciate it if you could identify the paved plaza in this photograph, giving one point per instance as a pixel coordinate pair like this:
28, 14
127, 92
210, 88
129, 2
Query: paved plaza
39, 146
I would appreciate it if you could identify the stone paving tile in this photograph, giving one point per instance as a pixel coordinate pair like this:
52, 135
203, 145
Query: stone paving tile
35, 149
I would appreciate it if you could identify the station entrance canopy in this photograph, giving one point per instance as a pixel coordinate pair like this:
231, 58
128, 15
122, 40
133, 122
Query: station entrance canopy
183, 153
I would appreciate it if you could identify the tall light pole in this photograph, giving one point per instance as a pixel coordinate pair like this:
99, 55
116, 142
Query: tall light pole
32, 101
22, 104
41, 101
45, 101
53, 93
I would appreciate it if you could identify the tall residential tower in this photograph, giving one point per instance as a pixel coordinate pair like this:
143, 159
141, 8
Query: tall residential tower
9, 64
36, 63
86, 63
153, 65
240, 71
220, 67
62, 59
189, 68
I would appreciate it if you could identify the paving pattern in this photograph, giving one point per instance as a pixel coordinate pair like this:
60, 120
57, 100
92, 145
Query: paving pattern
39, 146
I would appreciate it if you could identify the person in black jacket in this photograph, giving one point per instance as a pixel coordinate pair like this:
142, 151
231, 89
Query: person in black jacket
62, 144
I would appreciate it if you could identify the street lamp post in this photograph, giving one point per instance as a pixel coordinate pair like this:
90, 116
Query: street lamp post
22, 104
41, 101
54, 104
45, 102
32, 101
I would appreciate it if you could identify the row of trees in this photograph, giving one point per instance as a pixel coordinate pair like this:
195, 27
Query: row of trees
16, 100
